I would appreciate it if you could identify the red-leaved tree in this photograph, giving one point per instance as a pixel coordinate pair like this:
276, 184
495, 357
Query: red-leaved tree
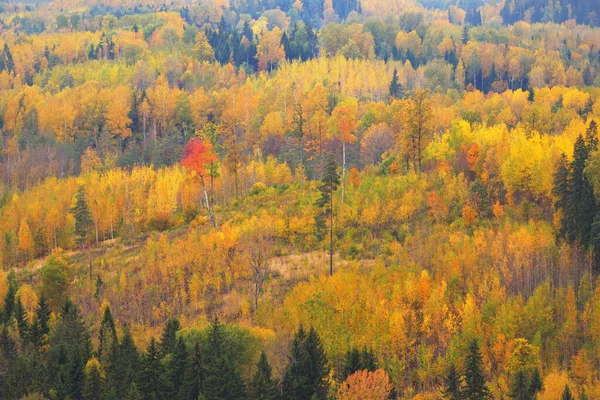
197, 158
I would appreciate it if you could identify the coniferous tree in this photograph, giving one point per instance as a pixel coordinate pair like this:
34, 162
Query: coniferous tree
452, 384
69, 351
263, 386
222, 379
9, 64
296, 384
583, 395
298, 128
567, 394
124, 364
535, 383
83, 218
107, 336
21, 318
169, 337
357, 360
519, 388
396, 89
583, 201
475, 384
306, 373
194, 374
587, 110
133, 393
93, 387
368, 360
40, 328
352, 363
8, 360
574, 194
151, 376
329, 184
175, 364
83, 223
562, 194
595, 238
9, 301
465, 34
318, 364
134, 114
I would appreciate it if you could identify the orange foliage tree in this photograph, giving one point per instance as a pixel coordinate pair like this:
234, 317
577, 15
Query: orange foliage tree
366, 385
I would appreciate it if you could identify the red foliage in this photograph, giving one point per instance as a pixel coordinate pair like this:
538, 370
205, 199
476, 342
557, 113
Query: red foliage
197, 155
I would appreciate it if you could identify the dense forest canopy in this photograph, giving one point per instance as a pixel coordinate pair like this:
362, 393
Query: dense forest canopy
300, 199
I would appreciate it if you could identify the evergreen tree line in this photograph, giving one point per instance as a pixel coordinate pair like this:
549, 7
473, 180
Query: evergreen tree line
6, 60
230, 45
574, 196
311, 9
240, 48
584, 12
60, 362
525, 383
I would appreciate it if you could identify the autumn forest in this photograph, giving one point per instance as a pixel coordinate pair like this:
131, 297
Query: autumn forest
300, 199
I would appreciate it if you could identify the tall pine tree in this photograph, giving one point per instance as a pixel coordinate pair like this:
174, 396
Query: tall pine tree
475, 384
83, 223
107, 337
452, 384
306, 372
151, 377
396, 89
169, 336
263, 386
567, 395
519, 387
222, 379
329, 184
194, 374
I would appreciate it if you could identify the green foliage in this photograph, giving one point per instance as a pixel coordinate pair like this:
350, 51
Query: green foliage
168, 340
40, 328
306, 374
9, 301
396, 89
453, 384
151, 377
222, 379
107, 337
574, 192
22, 323
70, 348
329, 184
123, 367
93, 388
263, 386
83, 218
358, 360
520, 389
567, 394
55, 281
194, 374
475, 382
175, 366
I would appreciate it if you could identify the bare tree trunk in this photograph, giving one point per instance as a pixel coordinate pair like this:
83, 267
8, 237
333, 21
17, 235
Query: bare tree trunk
90, 256
331, 234
343, 171
208, 208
